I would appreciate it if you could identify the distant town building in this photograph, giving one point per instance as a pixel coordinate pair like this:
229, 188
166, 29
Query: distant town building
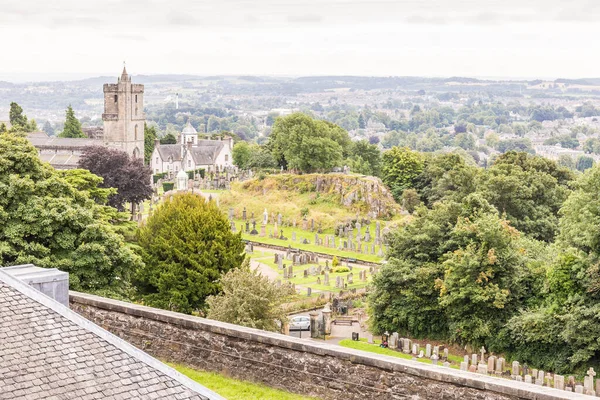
123, 129
190, 153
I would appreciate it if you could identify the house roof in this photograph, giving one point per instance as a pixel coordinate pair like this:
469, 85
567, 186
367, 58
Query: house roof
48, 351
206, 151
169, 150
56, 142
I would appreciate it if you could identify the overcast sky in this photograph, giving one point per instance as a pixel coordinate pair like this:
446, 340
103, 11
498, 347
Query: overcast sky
61, 39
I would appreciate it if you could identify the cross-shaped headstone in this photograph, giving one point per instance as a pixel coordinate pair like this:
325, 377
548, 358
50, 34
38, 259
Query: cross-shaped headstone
482, 351
591, 373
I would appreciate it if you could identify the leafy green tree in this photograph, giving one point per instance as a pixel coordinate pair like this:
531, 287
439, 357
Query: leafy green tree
17, 119
584, 163
365, 158
3, 128
480, 288
169, 138
465, 141
410, 200
72, 127
187, 244
47, 221
241, 154
261, 158
446, 177
48, 128
565, 160
150, 136
400, 168
361, 122
302, 143
529, 190
249, 299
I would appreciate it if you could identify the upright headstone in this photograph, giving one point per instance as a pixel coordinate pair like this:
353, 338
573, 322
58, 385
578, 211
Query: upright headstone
464, 366
293, 236
500, 364
244, 214
279, 219
473, 359
491, 363
428, 350
559, 382
326, 280
378, 233
290, 272
308, 291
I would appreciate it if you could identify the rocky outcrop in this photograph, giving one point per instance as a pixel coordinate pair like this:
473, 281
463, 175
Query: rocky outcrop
350, 190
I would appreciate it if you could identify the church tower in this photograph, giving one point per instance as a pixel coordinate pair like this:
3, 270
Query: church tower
124, 116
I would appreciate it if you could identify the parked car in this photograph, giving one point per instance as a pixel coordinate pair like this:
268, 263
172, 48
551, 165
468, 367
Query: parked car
300, 324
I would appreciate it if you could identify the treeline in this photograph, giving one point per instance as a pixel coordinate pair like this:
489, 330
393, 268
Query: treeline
506, 257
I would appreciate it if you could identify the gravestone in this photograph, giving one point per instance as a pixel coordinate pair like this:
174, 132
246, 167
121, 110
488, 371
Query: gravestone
350, 279
253, 231
244, 214
262, 231
434, 359
528, 379
406, 346
308, 291
290, 272
515, 369
491, 363
247, 227
230, 213
294, 236
304, 224
368, 235
428, 350
464, 366
378, 233
233, 228
500, 364
279, 219
326, 281
285, 273
265, 217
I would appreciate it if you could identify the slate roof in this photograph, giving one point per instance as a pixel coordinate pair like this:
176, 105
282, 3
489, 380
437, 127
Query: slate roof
49, 352
56, 142
169, 150
206, 151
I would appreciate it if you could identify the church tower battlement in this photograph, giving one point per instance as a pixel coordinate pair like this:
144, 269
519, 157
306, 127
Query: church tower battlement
124, 116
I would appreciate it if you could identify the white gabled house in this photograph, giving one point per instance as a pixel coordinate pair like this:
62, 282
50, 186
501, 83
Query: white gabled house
190, 153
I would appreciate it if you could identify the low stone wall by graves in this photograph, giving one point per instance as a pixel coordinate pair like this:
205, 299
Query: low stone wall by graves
297, 365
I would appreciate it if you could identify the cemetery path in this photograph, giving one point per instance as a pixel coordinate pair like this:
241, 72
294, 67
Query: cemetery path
265, 270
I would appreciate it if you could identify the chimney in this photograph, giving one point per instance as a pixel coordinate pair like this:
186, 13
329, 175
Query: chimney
156, 142
50, 281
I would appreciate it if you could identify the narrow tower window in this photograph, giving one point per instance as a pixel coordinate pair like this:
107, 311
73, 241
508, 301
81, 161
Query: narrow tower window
136, 98
136, 132
116, 98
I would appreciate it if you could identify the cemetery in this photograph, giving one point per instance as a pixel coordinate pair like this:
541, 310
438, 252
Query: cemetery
306, 271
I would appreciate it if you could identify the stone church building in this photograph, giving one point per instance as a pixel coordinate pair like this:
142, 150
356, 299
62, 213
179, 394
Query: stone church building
123, 119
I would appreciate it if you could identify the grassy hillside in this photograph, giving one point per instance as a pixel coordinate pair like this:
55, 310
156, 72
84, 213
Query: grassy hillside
328, 199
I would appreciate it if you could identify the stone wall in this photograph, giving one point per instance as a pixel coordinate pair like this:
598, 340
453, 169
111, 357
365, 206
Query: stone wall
298, 365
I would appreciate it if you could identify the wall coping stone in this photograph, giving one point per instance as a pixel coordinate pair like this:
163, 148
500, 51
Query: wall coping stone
389, 363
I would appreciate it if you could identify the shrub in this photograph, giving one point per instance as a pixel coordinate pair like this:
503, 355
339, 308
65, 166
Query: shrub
168, 186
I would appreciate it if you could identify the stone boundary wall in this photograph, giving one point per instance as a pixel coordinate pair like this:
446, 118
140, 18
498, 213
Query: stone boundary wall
321, 255
298, 365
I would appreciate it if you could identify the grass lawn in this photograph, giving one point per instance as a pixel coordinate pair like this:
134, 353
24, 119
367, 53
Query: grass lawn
233, 389
310, 236
266, 257
374, 348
